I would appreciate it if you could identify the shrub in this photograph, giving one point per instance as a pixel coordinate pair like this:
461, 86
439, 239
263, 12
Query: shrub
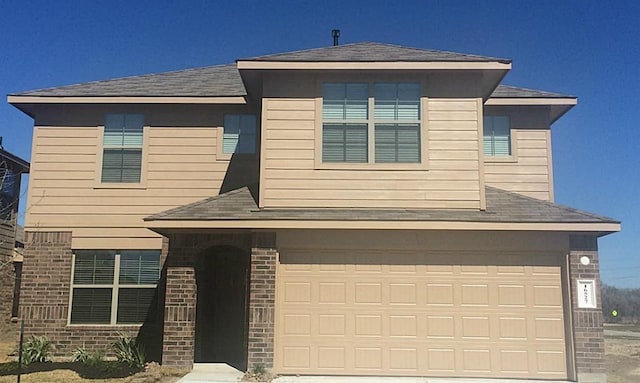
36, 349
80, 355
129, 351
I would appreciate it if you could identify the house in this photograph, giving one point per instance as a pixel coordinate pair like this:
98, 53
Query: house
12, 168
362, 209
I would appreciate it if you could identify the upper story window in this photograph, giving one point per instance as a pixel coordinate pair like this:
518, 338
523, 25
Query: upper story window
371, 122
122, 148
497, 136
113, 287
239, 133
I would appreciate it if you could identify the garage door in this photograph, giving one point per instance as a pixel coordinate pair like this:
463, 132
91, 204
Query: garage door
420, 315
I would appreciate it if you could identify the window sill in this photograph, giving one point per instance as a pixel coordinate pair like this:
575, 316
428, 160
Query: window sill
371, 166
94, 326
506, 159
123, 185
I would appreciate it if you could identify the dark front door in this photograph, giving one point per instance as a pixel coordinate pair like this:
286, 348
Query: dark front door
222, 275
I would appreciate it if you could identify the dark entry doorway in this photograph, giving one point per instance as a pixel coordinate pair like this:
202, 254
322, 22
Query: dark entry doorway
222, 276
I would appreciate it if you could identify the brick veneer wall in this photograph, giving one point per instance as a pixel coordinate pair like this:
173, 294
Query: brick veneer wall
46, 284
588, 329
44, 301
262, 299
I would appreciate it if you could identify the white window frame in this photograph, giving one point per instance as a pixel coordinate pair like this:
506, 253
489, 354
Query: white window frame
115, 287
143, 166
513, 157
371, 122
220, 154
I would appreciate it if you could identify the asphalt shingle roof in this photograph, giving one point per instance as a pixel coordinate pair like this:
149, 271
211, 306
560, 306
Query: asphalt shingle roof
507, 91
502, 206
211, 81
370, 51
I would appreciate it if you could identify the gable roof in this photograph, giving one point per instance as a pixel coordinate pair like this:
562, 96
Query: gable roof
502, 207
211, 81
371, 51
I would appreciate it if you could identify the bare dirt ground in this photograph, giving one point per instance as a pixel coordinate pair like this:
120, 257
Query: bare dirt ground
622, 349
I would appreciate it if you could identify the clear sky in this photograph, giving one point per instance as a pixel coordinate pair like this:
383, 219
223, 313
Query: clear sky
586, 48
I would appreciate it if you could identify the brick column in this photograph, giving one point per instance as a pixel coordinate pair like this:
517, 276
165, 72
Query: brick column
588, 329
180, 310
262, 297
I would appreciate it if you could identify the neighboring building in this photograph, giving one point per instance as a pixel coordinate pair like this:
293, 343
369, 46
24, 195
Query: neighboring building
11, 234
365, 209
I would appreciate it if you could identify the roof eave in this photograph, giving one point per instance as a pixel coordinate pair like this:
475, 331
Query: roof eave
18, 162
17, 100
558, 105
597, 227
373, 65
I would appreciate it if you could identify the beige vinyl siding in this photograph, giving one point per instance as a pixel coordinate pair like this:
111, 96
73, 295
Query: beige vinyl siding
291, 175
529, 171
180, 167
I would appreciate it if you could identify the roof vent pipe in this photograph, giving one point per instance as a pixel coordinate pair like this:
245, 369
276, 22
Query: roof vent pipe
336, 34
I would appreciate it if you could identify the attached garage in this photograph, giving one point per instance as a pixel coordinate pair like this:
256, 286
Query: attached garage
415, 313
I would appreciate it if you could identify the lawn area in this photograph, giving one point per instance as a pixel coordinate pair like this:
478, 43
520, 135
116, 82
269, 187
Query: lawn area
66, 372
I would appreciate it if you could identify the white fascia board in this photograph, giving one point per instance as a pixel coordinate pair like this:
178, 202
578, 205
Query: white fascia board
383, 225
124, 100
376, 65
531, 101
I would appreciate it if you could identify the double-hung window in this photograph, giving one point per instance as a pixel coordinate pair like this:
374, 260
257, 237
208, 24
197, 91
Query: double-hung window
113, 287
371, 123
122, 148
497, 136
239, 134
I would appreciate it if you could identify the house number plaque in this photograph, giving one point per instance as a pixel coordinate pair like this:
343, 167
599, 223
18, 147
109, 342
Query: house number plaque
586, 293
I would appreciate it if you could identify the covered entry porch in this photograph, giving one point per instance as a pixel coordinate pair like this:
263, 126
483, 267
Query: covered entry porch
219, 300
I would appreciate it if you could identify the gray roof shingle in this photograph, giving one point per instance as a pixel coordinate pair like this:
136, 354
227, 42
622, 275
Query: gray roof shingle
211, 81
502, 206
370, 52
507, 91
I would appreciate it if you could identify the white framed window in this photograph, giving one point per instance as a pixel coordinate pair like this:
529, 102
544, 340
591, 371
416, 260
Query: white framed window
364, 122
122, 148
113, 287
497, 136
239, 134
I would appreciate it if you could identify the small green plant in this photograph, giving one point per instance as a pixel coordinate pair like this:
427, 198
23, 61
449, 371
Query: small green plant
80, 354
95, 359
259, 369
129, 351
36, 350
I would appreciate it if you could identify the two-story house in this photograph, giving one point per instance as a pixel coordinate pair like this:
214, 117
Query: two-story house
364, 209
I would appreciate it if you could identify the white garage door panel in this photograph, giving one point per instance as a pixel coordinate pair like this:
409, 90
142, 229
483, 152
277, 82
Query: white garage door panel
336, 314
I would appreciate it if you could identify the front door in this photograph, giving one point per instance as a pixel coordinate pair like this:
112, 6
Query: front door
222, 275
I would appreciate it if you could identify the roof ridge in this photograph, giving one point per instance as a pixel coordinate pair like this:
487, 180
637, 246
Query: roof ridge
125, 78
553, 204
302, 50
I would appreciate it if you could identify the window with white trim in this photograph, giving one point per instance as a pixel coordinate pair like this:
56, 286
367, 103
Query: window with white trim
371, 122
239, 134
122, 148
497, 136
113, 287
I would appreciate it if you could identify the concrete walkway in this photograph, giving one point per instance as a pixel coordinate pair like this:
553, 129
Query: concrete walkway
223, 373
212, 373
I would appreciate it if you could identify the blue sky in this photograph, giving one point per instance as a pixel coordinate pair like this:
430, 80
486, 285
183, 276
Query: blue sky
586, 48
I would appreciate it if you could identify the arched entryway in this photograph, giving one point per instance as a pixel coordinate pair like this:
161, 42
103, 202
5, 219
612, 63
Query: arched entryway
222, 278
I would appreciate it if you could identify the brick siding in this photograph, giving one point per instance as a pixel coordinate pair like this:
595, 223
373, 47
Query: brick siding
587, 322
262, 299
44, 307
